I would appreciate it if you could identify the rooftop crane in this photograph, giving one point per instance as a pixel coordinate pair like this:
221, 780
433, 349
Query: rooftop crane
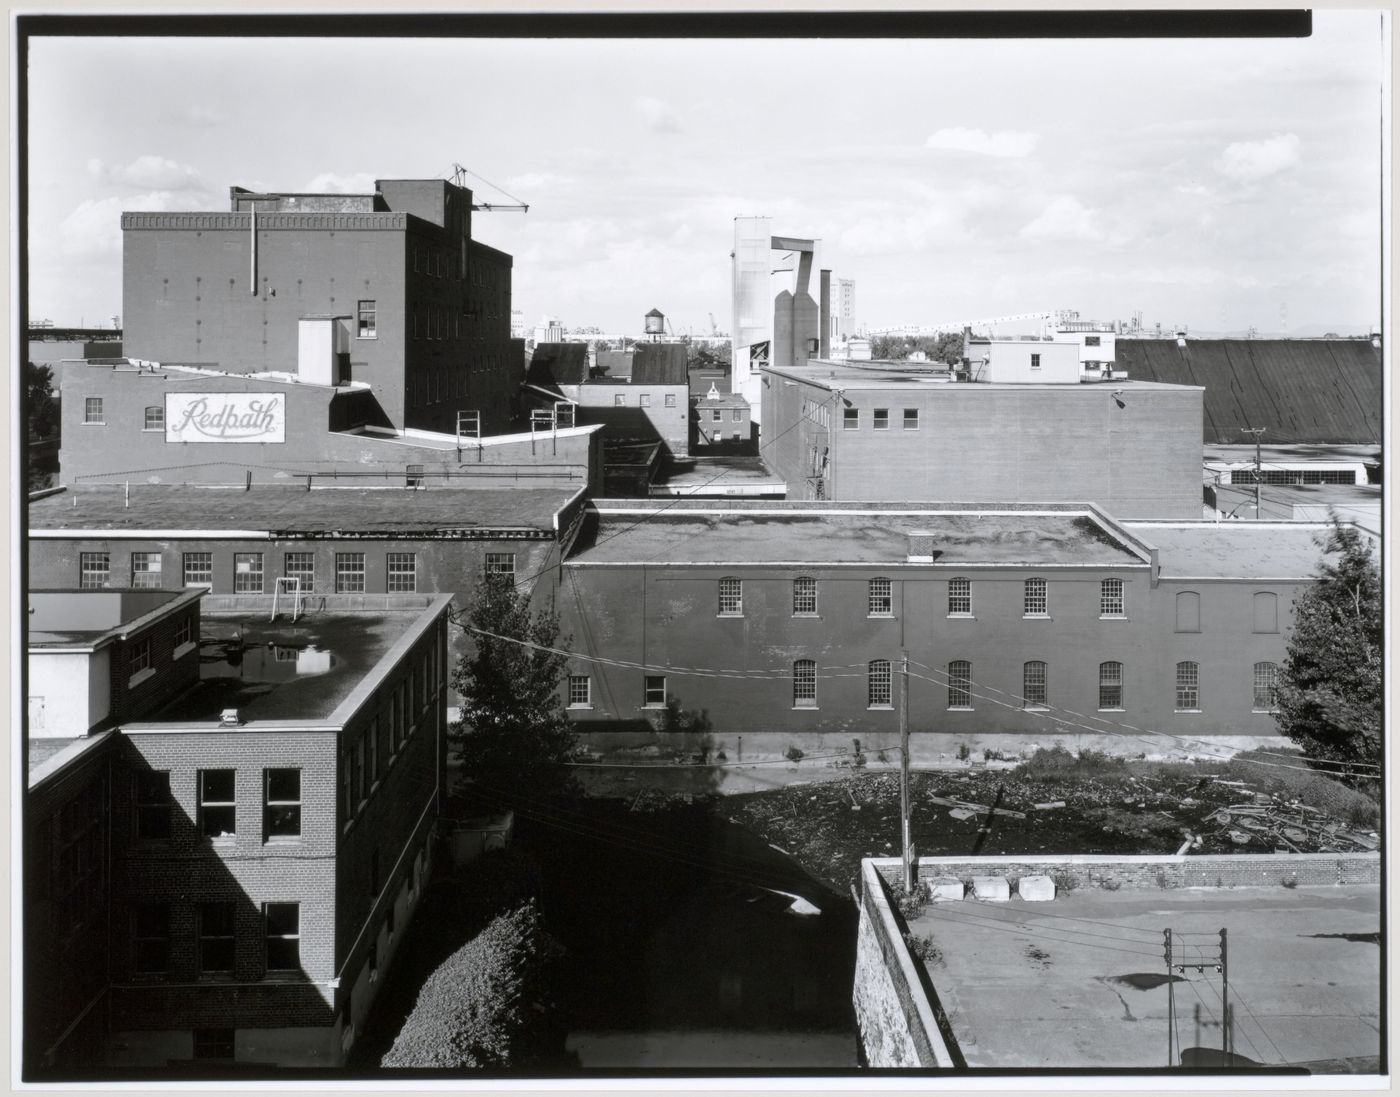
459, 179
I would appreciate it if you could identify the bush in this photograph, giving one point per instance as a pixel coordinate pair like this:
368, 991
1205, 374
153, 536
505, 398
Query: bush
922, 946
794, 754
490, 1004
963, 752
1057, 762
911, 903
1064, 882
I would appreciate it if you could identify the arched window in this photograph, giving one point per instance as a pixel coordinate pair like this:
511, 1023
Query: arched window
1034, 691
804, 596
804, 683
1037, 603
959, 597
154, 418
1188, 687
1265, 687
1188, 611
1265, 611
1110, 685
731, 597
881, 598
1111, 598
959, 684
877, 678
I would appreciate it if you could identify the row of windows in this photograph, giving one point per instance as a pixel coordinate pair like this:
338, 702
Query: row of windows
717, 415
216, 807
215, 936
644, 401
1035, 687
879, 419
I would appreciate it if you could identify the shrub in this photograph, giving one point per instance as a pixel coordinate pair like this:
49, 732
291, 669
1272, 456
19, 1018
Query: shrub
963, 752
1056, 761
923, 947
1110, 883
1289, 881
794, 754
1064, 882
490, 1004
858, 761
911, 903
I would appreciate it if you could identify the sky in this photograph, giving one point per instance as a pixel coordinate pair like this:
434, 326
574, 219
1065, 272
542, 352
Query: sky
1217, 184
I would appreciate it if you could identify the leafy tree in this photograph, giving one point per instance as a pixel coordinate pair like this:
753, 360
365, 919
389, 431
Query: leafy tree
946, 348
40, 409
705, 356
1331, 682
513, 731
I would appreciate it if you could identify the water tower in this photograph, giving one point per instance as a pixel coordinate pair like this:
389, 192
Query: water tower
654, 325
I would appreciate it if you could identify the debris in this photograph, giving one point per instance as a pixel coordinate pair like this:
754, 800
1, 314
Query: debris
962, 813
1049, 805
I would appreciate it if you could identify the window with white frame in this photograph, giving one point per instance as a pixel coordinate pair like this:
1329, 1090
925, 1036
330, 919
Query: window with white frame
619, 399
880, 598
878, 689
140, 658
198, 569
670, 399
654, 691
94, 569
881, 419
349, 572
959, 684
850, 419
731, 597
1265, 687
580, 691
804, 683
500, 563
1036, 601
184, 631
247, 573
911, 418
644, 400
1111, 598
737, 415
402, 572
1034, 688
281, 803
154, 418
959, 597
301, 566
92, 411
716, 414
145, 570
217, 807
804, 596
1188, 687
1110, 685
366, 323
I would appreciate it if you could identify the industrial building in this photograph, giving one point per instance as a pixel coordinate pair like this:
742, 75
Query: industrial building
219, 880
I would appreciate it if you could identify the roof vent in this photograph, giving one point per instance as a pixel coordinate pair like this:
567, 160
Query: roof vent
920, 547
229, 718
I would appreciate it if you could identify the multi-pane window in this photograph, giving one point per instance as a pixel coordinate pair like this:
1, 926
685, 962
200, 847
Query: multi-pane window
960, 684
1265, 686
1110, 685
1111, 598
349, 572
150, 938
145, 570
281, 803
911, 418
198, 569
1033, 685
140, 658
804, 683
882, 419
880, 598
877, 681
959, 597
716, 414
731, 597
500, 563
153, 805
184, 631
366, 326
850, 419
282, 933
1036, 602
153, 418
403, 572
804, 595
216, 937
94, 569
654, 691
300, 566
1188, 687
218, 810
92, 410
580, 691
1035, 361
247, 573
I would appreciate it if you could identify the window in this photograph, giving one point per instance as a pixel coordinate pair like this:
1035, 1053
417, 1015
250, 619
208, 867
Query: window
92, 410
644, 400
247, 573
877, 684
716, 414
1033, 685
670, 399
413, 476
911, 418
804, 596
1091, 340
1188, 611
349, 572
880, 598
403, 572
580, 691
198, 569
804, 683
959, 597
154, 418
150, 938
1036, 601
94, 569
619, 400
1188, 687
216, 937
184, 631
731, 597
1110, 685
217, 807
282, 932
850, 419
501, 563
882, 419
959, 684
654, 691
737, 414
140, 657
1035, 361
152, 805
1111, 598
366, 326
281, 803
1265, 687
301, 566
213, 1043
1265, 611
145, 570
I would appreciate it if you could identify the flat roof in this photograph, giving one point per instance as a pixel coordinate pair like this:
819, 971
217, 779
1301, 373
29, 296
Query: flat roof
847, 377
1235, 548
1081, 982
86, 617
714, 475
296, 510
1292, 455
733, 533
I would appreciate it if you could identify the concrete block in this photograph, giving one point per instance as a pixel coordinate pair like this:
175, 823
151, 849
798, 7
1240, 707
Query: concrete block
1036, 889
945, 888
991, 889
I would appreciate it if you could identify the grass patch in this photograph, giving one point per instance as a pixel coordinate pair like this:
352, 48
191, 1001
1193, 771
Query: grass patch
1058, 763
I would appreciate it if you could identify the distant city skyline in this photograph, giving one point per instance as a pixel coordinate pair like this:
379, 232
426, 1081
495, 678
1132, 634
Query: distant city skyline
1222, 184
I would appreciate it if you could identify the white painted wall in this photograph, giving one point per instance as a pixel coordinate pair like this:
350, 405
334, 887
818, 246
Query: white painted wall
76, 692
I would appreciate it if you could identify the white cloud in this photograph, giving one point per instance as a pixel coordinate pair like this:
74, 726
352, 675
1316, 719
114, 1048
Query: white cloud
95, 225
1004, 143
1246, 161
660, 117
1063, 219
328, 182
148, 173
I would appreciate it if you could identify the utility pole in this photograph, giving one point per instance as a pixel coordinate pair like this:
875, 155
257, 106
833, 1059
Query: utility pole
1171, 998
905, 844
1226, 1040
1258, 465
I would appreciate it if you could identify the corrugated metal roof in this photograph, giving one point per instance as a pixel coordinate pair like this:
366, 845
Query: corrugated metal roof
659, 364
559, 364
1300, 390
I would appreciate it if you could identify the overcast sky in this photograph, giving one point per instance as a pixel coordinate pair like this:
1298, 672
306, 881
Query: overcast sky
1221, 184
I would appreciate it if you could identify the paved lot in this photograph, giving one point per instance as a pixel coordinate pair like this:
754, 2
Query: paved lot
1080, 982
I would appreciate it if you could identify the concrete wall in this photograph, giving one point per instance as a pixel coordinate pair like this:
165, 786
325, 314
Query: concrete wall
670, 423
72, 692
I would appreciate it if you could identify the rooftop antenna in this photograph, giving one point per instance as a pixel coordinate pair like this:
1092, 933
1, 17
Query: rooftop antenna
459, 179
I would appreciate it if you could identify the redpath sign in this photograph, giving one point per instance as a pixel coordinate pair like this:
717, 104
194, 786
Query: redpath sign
225, 417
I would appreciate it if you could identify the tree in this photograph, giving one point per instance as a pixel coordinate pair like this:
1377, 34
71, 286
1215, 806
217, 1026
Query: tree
1331, 682
40, 410
513, 731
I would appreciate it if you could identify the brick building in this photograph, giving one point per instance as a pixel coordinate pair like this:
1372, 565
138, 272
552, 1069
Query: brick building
413, 307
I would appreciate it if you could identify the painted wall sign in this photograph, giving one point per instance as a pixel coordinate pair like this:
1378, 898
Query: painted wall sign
225, 417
